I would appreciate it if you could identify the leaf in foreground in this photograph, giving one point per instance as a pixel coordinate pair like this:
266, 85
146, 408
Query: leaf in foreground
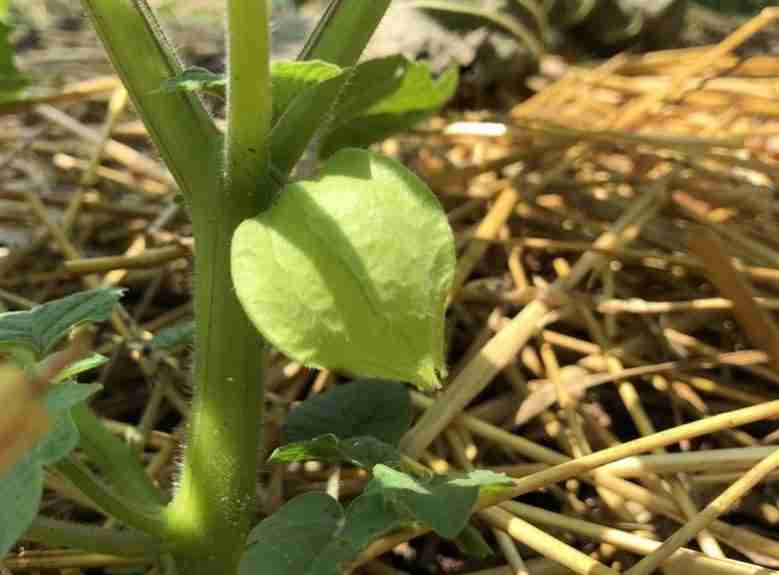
21, 484
20, 495
356, 267
444, 502
312, 535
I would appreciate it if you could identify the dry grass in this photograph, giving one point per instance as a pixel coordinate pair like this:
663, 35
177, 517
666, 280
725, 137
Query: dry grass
594, 352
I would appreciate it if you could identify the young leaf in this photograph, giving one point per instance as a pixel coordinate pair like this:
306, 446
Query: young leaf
301, 119
297, 81
355, 270
196, 80
353, 107
363, 452
311, 535
44, 326
373, 109
373, 81
289, 81
443, 502
381, 409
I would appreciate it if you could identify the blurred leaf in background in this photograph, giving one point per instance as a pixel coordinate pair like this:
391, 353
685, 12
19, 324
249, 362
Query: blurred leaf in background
11, 80
744, 7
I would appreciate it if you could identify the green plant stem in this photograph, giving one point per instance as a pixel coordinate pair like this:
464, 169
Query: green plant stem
58, 533
248, 97
147, 519
344, 31
213, 506
116, 460
178, 123
212, 509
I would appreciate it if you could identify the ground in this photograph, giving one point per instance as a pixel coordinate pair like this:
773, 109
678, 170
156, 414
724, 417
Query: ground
589, 176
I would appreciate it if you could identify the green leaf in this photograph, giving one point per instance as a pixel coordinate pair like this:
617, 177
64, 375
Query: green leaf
80, 366
302, 118
290, 540
303, 94
174, 336
62, 396
355, 270
196, 79
443, 502
372, 82
386, 96
44, 326
369, 517
11, 80
63, 437
381, 409
21, 489
61, 440
311, 535
297, 82
363, 452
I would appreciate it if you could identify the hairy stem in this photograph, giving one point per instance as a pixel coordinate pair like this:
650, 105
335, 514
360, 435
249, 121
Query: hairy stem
58, 533
147, 519
213, 507
344, 31
248, 98
116, 460
177, 122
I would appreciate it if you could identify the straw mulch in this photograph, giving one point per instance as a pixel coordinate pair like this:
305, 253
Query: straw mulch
618, 264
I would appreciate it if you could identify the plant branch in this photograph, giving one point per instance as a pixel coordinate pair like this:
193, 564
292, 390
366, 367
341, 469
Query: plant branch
149, 520
248, 97
58, 533
178, 123
115, 459
344, 31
